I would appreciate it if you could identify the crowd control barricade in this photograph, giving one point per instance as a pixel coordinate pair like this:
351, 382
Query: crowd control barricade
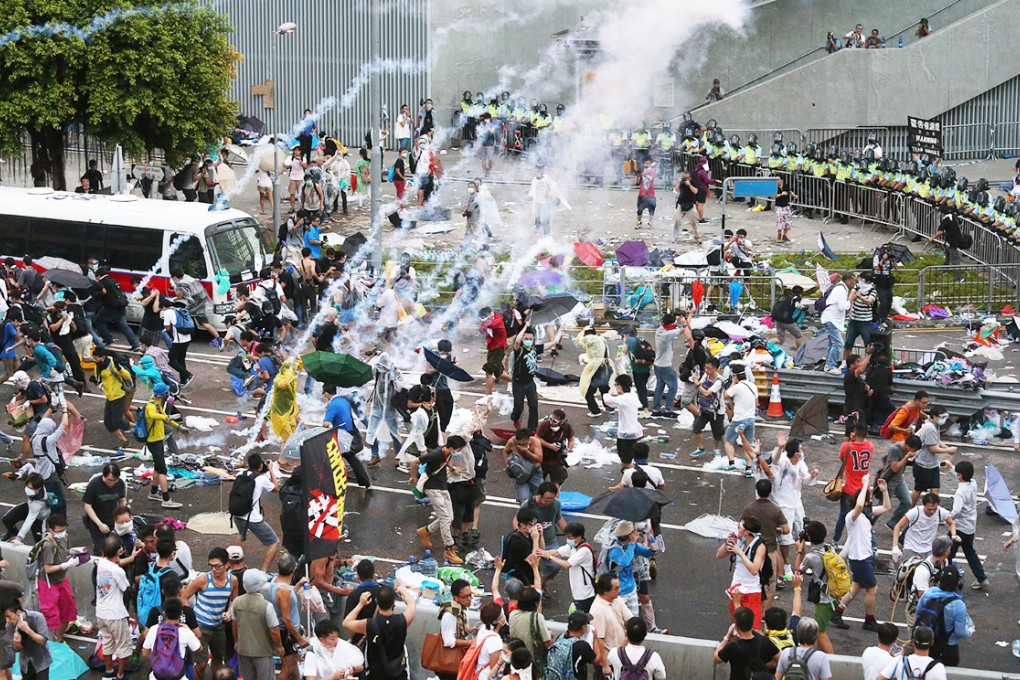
988, 287
871, 204
921, 217
813, 193
970, 140
1005, 138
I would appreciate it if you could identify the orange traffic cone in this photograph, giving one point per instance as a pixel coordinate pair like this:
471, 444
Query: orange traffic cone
775, 400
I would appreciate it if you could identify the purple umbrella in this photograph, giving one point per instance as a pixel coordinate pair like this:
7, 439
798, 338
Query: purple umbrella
540, 278
632, 254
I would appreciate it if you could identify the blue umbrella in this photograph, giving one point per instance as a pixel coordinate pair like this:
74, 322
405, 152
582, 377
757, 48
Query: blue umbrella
736, 290
67, 665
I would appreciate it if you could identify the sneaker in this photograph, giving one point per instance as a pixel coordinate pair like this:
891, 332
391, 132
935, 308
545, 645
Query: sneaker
216, 342
780, 584
718, 453
838, 622
469, 539
980, 585
659, 631
730, 468
187, 382
656, 414
156, 497
426, 538
670, 414
172, 504
748, 472
401, 467
870, 624
451, 556
374, 461
834, 371
703, 221
592, 414
475, 535
699, 452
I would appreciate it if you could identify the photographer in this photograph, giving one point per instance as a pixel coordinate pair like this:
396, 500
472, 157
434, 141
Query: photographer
861, 316
687, 196
883, 265
556, 437
257, 479
832, 44
808, 562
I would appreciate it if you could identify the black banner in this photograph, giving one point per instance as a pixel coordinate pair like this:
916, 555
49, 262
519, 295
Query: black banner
325, 487
924, 136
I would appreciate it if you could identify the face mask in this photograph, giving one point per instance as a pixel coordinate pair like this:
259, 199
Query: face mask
123, 529
60, 535
30, 492
471, 190
308, 183
529, 343
555, 428
571, 542
403, 156
428, 107
505, 658
943, 420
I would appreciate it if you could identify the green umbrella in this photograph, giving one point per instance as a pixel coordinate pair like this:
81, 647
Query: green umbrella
341, 370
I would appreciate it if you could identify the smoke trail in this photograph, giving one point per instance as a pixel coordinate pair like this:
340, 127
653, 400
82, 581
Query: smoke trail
177, 242
98, 24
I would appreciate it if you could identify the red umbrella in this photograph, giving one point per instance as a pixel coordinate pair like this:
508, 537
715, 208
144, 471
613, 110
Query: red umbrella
697, 292
588, 254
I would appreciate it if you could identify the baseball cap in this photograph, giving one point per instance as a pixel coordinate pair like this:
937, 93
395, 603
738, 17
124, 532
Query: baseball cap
253, 580
578, 620
923, 637
624, 529
949, 578
160, 390
235, 553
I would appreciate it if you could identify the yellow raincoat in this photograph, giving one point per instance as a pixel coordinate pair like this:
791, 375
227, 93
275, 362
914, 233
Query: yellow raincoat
283, 407
598, 356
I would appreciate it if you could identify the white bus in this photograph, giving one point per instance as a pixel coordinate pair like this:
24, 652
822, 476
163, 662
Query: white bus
132, 236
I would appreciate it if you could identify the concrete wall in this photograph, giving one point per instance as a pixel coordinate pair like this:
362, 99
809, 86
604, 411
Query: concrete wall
882, 87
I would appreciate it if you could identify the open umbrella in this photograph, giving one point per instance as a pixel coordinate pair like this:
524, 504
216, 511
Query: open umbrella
446, 367
1000, 500
631, 504
342, 370
551, 377
212, 524
823, 246
352, 244
811, 418
553, 307
66, 278
789, 279
632, 254
65, 664
589, 254
540, 278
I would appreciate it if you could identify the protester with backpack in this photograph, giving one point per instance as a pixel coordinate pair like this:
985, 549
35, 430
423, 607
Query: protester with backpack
833, 307
156, 420
170, 644
245, 505
114, 310
811, 564
918, 665
178, 323
48, 460
804, 662
56, 599
571, 653
642, 356
527, 623
213, 592
578, 558
385, 633
255, 627
942, 609
749, 653
633, 661
339, 415
103, 495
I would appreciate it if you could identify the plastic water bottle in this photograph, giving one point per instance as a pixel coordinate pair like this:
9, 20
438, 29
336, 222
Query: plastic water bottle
883, 42
413, 563
901, 41
429, 566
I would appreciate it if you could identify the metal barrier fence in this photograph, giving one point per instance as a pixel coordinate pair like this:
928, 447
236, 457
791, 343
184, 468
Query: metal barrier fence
972, 140
949, 286
813, 193
883, 206
1005, 137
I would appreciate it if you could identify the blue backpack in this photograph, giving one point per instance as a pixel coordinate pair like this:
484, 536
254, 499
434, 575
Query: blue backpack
141, 429
559, 661
59, 363
150, 595
184, 320
392, 174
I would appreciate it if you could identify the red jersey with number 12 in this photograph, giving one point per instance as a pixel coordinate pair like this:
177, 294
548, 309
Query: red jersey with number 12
860, 464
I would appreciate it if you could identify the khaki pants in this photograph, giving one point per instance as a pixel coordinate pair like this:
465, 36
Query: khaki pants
689, 216
443, 507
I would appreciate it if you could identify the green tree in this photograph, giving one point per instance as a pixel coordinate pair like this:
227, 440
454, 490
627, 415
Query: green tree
141, 74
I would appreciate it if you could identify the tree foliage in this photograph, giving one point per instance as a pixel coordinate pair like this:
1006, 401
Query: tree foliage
145, 75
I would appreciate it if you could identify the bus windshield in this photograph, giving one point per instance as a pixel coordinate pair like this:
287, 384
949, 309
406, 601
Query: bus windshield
238, 248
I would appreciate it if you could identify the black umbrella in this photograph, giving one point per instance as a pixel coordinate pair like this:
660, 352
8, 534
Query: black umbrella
552, 307
551, 377
631, 504
446, 367
67, 278
352, 244
811, 418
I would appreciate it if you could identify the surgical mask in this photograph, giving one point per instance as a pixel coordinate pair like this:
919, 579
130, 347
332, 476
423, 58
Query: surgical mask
30, 492
471, 190
943, 420
428, 107
308, 182
123, 528
504, 657
572, 542
555, 428
529, 343
60, 535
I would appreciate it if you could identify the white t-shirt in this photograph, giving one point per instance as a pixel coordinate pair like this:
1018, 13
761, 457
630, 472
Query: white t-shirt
788, 480
858, 537
627, 406
922, 528
923, 574
321, 662
492, 643
582, 571
402, 128
894, 670
170, 319
111, 584
654, 475
260, 292
184, 634
836, 306
655, 668
184, 557
873, 660
262, 483
745, 400
389, 307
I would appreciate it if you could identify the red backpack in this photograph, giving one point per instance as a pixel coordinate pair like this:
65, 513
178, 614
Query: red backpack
885, 432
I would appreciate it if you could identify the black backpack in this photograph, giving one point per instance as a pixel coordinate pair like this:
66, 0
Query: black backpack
292, 510
782, 311
178, 180
644, 353
242, 495
115, 298
272, 304
933, 615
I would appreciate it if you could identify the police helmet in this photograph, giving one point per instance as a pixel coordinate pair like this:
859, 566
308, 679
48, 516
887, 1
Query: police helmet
961, 185
869, 155
734, 140
982, 184
833, 151
883, 164
924, 175
467, 95
950, 173
845, 158
983, 198
534, 103
719, 139
688, 133
894, 166
856, 154
912, 168
480, 97
543, 109
872, 138
1012, 208
809, 149
777, 137
777, 149
861, 164
1000, 204
752, 139
685, 117
711, 124
791, 148
819, 154
504, 96
925, 159
560, 108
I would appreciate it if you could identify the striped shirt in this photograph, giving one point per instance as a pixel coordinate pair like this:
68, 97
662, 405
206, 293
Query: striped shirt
212, 602
861, 310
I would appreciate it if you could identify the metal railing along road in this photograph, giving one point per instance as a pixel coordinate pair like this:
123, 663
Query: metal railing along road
953, 287
883, 206
1005, 137
813, 193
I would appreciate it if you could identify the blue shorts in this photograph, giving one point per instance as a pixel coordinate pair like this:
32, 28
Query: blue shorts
862, 572
731, 431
